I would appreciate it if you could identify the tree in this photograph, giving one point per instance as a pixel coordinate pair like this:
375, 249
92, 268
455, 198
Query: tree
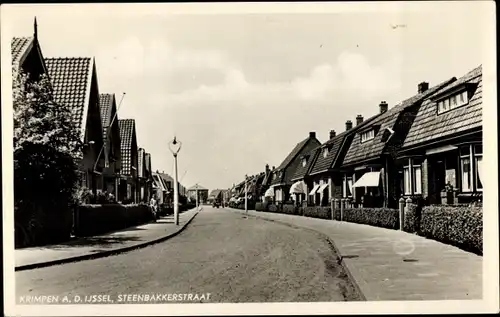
46, 149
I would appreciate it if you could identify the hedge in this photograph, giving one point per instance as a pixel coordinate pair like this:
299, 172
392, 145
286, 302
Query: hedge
461, 226
260, 206
317, 212
273, 208
412, 219
99, 219
379, 217
291, 210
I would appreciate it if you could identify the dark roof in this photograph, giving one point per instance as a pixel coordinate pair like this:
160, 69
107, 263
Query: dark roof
215, 193
197, 187
71, 79
293, 154
302, 171
430, 126
106, 102
19, 47
127, 135
166, 179
372, 149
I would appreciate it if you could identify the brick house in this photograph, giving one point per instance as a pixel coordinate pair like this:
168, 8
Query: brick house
301, 183
444, 144
74, 81
282, 176
320, 169
370, 163
129, 167
160, 188
112, 143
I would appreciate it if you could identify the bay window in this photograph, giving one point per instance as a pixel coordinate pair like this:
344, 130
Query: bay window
406, 176
417, 179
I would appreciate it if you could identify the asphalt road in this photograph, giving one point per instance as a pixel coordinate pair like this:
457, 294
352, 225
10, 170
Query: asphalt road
221, 257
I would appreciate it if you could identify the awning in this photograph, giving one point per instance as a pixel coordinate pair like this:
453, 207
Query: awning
322, 188
298, 188
370, 179
269, 192
313, 191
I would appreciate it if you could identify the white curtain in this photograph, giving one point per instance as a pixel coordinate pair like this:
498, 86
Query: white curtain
480, 168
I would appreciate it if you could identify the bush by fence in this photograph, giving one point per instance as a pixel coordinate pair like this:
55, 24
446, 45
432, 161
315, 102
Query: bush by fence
317, 212
290, 209
260, 206
379, 217
99, 219
461, 226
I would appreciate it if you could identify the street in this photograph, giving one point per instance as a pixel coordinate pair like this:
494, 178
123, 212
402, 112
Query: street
233, 258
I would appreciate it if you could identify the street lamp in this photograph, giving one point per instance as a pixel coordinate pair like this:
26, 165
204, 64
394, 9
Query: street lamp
246, 195
175, 147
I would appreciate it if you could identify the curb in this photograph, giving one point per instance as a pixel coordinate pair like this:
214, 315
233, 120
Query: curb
103, 254
340, 259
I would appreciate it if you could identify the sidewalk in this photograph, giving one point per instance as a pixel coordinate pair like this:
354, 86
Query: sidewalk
103, 245
394, 265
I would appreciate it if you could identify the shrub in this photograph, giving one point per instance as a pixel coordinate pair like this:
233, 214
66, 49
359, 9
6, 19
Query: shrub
412, 218
99, 219
259, 206
273, 208
290, 209
317, 212
379, 217
460, 226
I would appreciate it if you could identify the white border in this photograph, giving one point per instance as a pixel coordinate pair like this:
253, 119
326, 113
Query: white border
490, 301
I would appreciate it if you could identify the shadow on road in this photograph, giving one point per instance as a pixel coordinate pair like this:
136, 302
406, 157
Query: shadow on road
93, 242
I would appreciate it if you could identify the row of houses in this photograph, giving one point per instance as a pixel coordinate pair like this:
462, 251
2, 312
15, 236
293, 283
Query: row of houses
111, 160
427, 147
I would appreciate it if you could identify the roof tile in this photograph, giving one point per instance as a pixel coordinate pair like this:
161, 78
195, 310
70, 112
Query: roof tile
127, 135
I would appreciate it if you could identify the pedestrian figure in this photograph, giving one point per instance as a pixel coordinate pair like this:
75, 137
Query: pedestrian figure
153, 206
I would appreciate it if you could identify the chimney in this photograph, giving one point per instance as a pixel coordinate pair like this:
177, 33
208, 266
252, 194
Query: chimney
359, 119
348, 125
332, 134
267, 169
423, 86
274, 168
383, 106
312, 134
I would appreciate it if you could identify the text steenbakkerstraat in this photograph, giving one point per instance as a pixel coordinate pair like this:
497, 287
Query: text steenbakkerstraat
115, 299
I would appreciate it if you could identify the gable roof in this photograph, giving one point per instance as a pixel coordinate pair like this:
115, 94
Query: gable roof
197, 187
301, 170
359, 152
147, 157
141, 162
71, 79
20, 47
127, 135
107, 104
167, 179
428, 125
215, 193
293, 154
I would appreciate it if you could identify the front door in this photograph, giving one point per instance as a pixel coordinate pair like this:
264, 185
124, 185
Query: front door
437, 181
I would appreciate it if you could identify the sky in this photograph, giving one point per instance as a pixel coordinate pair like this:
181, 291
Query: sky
241, 89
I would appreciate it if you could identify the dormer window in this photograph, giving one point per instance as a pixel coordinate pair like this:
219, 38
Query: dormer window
367, 135
304, 162
452, 102
325, 152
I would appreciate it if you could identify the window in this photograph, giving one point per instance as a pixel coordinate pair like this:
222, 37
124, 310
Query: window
304, 162
406, 176
347, 187
417, 179
325, 152
478, 154
453, 102
466, 174
368, 135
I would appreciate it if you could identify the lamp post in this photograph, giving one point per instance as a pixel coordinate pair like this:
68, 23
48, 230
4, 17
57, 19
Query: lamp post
175, 147
246, 195
196, 196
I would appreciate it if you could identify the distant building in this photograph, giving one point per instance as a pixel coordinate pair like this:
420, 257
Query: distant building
130, 162
202, 193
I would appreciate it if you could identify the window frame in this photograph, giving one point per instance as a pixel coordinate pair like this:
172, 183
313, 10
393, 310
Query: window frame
477, 156
367, 135
407, 180
461, 98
